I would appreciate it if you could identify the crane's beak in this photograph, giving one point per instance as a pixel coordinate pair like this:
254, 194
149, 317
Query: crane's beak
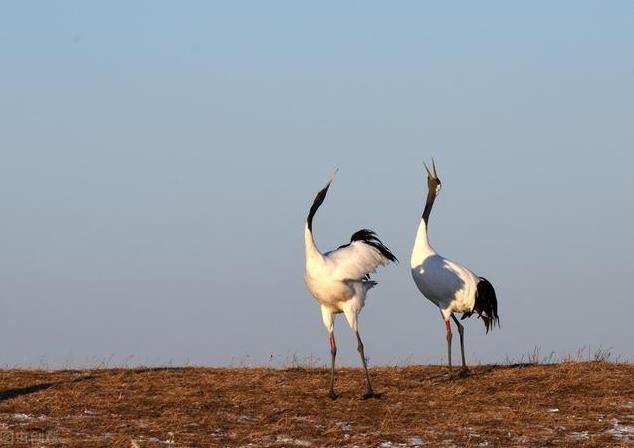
428, 172
432, 173
332, 177
433, 165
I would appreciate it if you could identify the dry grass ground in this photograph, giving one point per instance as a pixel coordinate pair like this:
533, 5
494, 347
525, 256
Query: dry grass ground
568, 404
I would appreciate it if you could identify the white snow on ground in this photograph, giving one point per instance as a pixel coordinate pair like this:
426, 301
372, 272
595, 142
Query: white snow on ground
621, 432
411, 442
22, 417
517, 437
157, 440
579, 436
345, 426
247, 419
290, 440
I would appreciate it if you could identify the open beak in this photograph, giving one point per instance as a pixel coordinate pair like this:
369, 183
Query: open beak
428, 172
432, 173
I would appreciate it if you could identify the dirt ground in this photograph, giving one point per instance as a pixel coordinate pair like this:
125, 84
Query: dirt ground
568, 404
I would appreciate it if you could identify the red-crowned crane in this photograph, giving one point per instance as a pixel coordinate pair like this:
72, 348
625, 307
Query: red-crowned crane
340, 280
450, 286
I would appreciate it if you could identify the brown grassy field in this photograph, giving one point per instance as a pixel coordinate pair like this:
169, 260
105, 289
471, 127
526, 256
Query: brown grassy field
568, 404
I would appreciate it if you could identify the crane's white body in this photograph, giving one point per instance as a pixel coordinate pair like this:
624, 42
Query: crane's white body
449, 285
337, 279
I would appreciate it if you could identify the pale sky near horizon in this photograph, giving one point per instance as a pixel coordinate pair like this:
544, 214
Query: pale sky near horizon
158, 159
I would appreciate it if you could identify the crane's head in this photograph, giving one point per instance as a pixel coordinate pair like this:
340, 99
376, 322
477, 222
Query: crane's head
433, 183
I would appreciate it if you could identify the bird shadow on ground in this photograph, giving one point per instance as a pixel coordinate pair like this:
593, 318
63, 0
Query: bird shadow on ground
19, 391
477, 371
521, 365
141, 370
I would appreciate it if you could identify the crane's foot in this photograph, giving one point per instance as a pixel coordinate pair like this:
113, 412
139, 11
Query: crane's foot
370, 394
332, 395
463, 373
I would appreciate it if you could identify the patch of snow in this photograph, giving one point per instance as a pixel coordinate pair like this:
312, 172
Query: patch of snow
621, 432
303, 418
23, 417
552, 410
579, 436
157, 440
247, 419
296, 442
517, 437
344, 426
415, 441
389, 444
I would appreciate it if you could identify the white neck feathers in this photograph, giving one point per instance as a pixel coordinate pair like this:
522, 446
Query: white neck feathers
422, 248
309, 242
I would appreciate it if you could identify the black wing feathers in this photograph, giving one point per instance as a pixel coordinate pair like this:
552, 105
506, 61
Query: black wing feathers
370, 238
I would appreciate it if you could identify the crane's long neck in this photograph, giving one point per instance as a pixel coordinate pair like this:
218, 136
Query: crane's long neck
431, 197
422, 248
309, 242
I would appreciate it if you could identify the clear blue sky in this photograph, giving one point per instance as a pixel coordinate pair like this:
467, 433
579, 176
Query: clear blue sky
157, 161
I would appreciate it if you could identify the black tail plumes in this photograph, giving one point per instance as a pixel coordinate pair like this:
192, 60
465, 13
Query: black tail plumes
486, 304
370, 238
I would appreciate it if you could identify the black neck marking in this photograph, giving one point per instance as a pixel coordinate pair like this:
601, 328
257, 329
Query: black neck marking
431, 196
319, 199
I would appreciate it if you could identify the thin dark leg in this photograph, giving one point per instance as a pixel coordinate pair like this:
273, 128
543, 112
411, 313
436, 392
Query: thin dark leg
369, 393
464, 370
448, 326
333, 353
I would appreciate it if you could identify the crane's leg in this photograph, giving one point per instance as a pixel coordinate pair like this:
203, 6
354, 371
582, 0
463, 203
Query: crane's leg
333, 353
369, 393
448, 326
329, 322
464, 371
351, 310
